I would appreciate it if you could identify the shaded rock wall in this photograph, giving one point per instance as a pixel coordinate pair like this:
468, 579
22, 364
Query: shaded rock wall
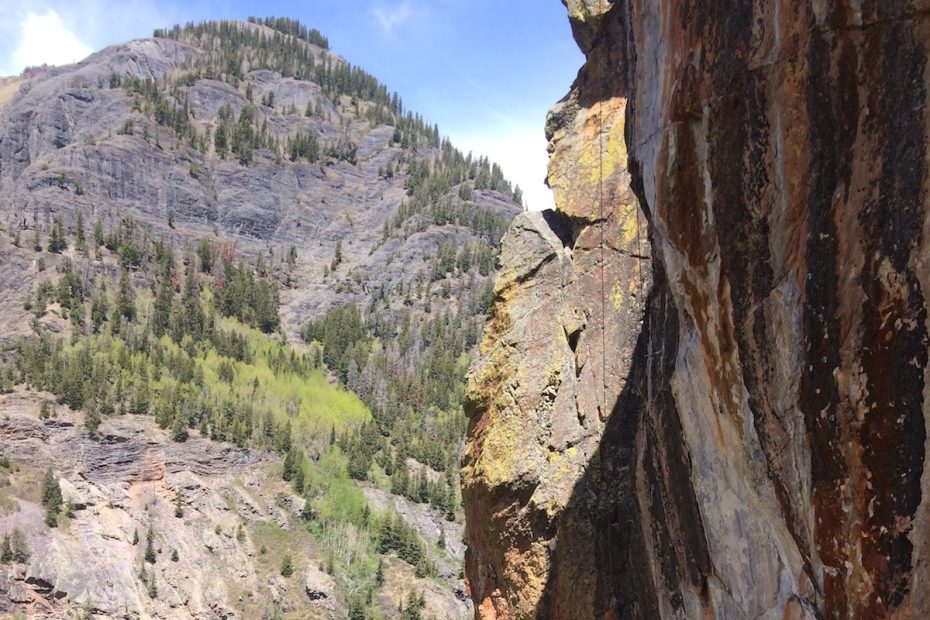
753, 443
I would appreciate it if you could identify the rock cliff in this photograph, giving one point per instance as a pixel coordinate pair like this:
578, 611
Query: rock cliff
702, 389
99, 139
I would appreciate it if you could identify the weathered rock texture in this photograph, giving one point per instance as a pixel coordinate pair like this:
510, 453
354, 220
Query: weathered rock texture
63, 152
752, 444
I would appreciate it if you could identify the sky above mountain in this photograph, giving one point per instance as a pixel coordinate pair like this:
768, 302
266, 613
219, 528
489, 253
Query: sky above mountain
485, 70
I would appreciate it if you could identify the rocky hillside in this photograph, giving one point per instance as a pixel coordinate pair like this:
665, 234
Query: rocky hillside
241, 285
702, 389
219, 517
267, 140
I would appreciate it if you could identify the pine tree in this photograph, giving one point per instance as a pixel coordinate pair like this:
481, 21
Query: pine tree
124, 298
20, 552
174, 555
150, 556
80, 240
91, 419
99, 308
379, 575
292, 462
178, 507
135, 537
307, 514
51, 498
6, 550
287, 566
179, 428
161, 312
56, 241
192, 313
356, 609
153, 590
337, 257
299, 480
98, 234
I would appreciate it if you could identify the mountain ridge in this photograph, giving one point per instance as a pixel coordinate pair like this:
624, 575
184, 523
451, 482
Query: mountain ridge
228, 253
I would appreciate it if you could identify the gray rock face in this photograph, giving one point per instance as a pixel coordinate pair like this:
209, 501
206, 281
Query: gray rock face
762, 449
62, 152
124, 482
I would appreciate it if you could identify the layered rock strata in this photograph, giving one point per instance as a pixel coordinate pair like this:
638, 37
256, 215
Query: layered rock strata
702, 389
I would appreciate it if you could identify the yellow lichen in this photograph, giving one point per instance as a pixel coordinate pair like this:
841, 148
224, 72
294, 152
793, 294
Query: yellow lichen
604, 154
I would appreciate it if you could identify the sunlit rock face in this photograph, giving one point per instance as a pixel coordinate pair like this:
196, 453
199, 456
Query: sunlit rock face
702, 390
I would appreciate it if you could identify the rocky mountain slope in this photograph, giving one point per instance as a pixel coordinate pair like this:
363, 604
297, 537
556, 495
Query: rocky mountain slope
220, 517
177, 213
702, 389
134, 130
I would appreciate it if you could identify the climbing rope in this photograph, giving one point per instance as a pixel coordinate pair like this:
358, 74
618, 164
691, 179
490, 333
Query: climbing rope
602, 224
602, 414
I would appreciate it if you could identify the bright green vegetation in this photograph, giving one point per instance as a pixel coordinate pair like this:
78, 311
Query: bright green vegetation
191, 349
352, 538
192, 337
193, 342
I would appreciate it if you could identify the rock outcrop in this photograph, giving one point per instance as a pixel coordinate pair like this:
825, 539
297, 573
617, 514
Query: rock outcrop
73, 142
702, 389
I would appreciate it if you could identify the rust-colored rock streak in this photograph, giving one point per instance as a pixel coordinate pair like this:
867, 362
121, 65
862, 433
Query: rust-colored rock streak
702, 391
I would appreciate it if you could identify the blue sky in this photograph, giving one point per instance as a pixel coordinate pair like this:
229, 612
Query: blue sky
485, 70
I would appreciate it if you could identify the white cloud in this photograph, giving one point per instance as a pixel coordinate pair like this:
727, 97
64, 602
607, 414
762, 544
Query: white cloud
44, 39
523, 157
390, 18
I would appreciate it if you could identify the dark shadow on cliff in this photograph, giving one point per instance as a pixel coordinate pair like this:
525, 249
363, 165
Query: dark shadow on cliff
632, 527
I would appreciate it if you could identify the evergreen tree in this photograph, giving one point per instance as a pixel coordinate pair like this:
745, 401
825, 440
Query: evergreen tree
91, 418
292, 463
308, 514
206, 255
56, 241
125, 306
6, 550
80, 240
337, 257
51, 498
179, 428
299, 480
99, 308
150, 556
98, 234
287, 566
192, 317
356, 609
20, 550
161, 312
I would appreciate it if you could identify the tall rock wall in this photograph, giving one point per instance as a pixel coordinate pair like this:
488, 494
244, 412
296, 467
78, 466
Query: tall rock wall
702, 389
